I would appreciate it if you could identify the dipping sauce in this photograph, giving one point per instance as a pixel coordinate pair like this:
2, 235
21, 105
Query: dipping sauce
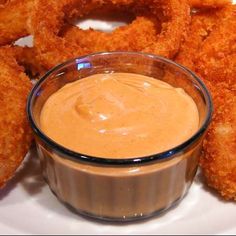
124, 116
119, 115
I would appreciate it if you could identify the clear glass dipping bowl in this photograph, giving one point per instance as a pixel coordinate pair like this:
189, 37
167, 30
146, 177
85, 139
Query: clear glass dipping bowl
119, 189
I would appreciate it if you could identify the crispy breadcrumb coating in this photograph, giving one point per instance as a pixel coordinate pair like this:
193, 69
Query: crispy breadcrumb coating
15, 135
141, 32
201, 26
217, 60
219, 158
210, 50
49, 18
209, 3
15, 20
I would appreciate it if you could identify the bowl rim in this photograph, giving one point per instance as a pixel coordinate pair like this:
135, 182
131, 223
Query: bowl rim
76, 156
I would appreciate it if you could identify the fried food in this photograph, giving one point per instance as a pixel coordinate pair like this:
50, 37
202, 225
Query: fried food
202, 24
48, 20
209, 3
173, 30
27, 57
209, 50
3, 2
143, 28
217, 65
219, 159
217, 59
15, 20
15, 135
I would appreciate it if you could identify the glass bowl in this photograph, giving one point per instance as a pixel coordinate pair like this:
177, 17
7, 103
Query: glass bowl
119, 189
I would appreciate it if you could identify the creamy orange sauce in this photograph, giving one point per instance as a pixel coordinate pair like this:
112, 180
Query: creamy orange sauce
119, 115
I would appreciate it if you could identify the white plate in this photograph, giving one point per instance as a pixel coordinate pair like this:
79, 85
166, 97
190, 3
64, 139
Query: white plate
29, 207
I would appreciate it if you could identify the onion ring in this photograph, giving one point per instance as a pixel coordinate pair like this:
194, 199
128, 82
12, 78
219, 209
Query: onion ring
217, 60
202, 24
28, 58
15, 20
218, 161
49, 15
15, 136
209, 3
3, 2
144, 28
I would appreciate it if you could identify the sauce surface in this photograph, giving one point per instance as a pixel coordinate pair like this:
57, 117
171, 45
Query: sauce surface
119, 115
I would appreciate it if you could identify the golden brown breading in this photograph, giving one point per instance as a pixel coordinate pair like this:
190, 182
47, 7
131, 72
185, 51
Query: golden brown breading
49, 17
219, 159
3, 2
142, 31
209, 3
15, 135
28, 58
202, 24
217, 60
15, 20
209, 50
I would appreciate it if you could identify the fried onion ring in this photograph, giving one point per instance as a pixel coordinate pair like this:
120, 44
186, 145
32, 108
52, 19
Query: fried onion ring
15, 20
142, 31
15, 135
27, 57
217, 60
218, 161
49, 17
3, 2
209, 3
209, 50
201, 26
